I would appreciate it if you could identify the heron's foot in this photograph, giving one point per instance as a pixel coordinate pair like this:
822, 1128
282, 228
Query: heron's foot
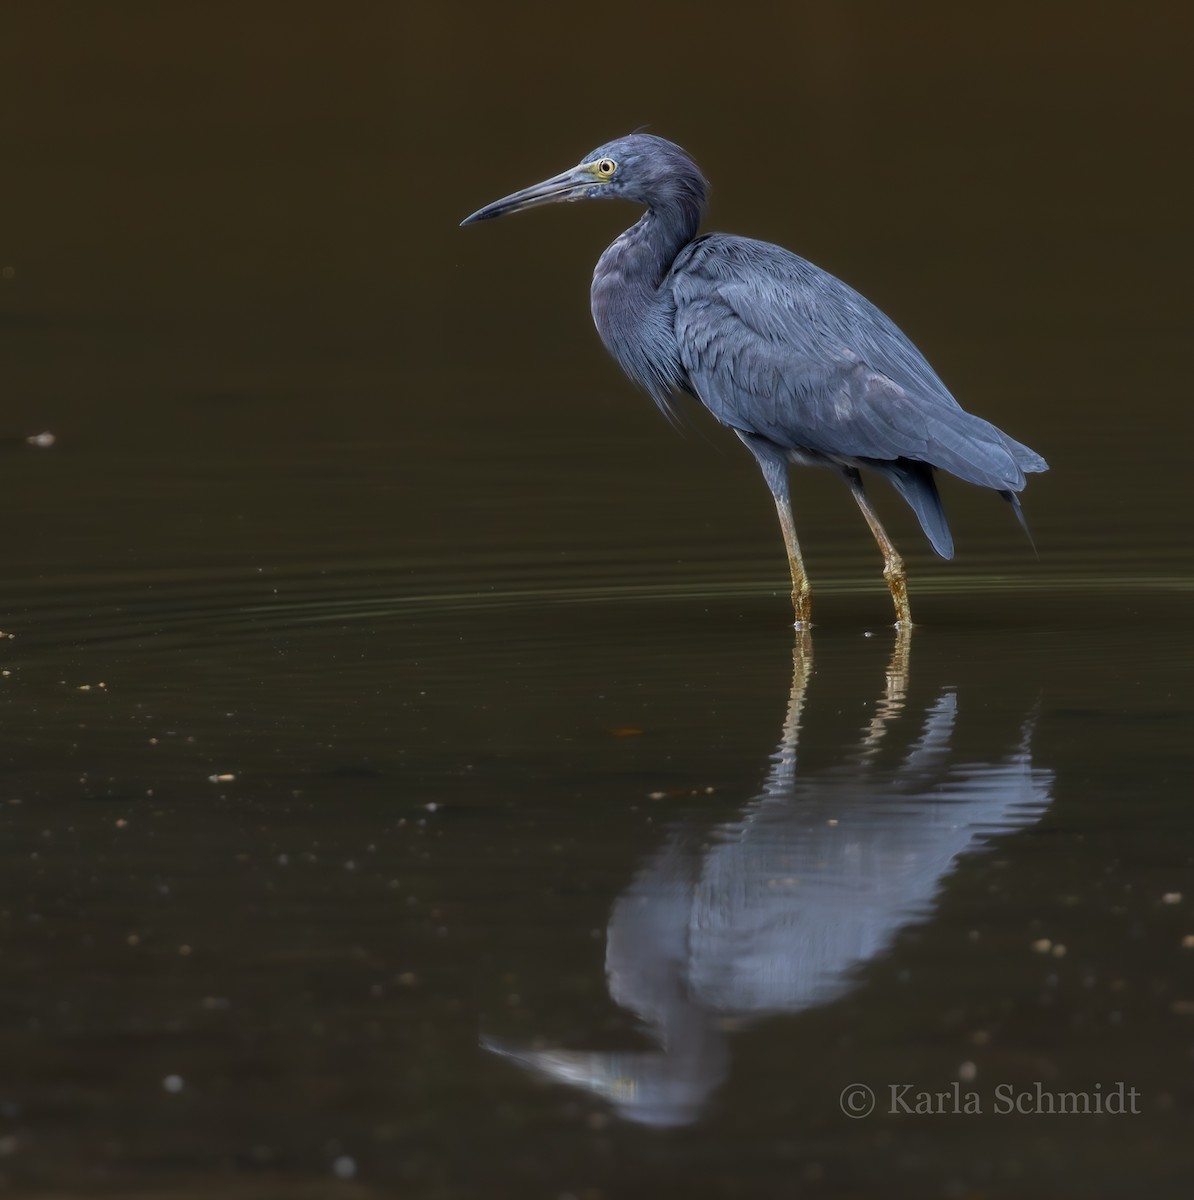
802, 606
896, 576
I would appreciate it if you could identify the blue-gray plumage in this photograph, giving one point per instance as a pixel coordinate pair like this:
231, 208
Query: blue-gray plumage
799, 365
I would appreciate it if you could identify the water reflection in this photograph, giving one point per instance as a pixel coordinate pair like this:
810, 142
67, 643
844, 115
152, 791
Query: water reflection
775, 911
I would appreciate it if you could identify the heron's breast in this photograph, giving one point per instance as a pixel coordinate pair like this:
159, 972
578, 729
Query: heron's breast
636, 324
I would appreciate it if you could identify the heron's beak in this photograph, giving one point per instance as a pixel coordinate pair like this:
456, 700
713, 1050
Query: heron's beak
571, 185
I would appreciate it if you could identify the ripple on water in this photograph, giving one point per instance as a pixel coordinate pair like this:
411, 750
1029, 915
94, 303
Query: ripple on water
114, 607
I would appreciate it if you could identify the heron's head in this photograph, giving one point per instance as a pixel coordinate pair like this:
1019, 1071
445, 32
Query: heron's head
640, 167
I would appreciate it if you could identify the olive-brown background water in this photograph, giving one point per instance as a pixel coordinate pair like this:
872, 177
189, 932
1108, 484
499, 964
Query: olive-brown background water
410, 785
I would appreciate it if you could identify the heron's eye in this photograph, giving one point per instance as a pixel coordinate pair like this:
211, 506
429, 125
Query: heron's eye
606, 167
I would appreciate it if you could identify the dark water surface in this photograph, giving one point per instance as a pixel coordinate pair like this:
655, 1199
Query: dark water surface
411, 785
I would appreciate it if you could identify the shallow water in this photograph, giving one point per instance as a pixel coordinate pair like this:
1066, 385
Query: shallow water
411, 784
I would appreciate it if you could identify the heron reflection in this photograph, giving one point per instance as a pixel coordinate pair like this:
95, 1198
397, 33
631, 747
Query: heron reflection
775, 911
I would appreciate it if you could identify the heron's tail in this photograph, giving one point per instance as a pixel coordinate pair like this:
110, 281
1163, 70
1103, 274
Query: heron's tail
914, 481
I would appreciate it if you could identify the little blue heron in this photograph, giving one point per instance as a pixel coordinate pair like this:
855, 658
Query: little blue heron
799, 365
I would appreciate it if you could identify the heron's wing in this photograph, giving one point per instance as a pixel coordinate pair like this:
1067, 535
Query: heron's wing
776, 347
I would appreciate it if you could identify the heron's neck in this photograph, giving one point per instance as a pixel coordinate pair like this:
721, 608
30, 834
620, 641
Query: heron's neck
632, 313
644, 254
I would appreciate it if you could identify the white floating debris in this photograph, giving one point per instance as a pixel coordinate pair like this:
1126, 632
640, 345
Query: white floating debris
1171, 898
45, 440
220, 778
344, 1167
173, 1083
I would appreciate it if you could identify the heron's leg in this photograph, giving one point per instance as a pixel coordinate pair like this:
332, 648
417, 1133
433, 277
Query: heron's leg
893, 564
773, 462
801, 592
